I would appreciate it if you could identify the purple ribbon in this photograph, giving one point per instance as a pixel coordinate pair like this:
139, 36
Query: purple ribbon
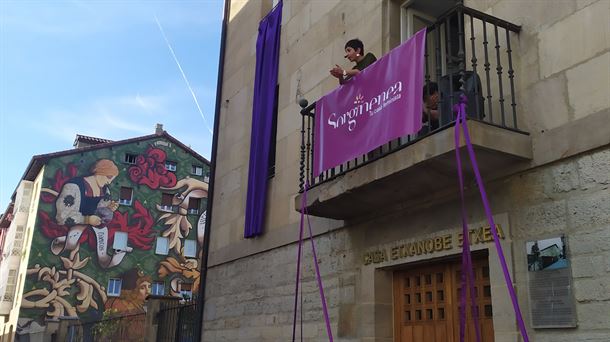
318, 277
467, 271
466, 257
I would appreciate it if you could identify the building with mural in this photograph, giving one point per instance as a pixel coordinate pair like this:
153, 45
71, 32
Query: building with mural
387, 223
100, 227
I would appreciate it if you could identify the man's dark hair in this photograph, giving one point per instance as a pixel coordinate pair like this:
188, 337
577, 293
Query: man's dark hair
430, 88
355, 44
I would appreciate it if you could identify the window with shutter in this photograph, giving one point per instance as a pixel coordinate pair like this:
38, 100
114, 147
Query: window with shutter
194, 205
171, 166
125, 196
158, 288
130, 158
162, 245
190, 248
120, 241
166, 202
197, 170
114, 287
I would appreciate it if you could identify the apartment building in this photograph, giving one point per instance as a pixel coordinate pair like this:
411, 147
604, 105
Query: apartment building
96, 229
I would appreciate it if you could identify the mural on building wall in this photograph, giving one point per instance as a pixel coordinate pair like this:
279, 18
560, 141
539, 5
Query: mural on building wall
79, 217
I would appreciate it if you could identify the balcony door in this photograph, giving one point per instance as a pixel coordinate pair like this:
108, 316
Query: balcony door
426, 303
419, 14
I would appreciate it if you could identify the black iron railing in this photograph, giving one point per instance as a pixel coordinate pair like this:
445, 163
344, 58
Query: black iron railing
455, 44
128, 327
178, 321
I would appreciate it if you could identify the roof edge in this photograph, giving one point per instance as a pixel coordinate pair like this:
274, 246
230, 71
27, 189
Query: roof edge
39, 160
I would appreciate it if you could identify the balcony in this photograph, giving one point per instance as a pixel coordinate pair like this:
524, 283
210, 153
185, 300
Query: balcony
467, 51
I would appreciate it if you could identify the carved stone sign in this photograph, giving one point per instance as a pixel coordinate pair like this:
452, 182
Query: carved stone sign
430, 245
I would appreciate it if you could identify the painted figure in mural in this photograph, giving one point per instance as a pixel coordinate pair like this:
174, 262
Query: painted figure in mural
178, 227
179, 271
85, 202
354, 52
135, 288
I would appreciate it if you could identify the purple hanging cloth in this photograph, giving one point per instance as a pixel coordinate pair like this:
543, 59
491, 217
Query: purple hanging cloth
265, 81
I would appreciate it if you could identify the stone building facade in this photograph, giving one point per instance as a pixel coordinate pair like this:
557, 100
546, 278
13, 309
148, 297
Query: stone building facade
374, 226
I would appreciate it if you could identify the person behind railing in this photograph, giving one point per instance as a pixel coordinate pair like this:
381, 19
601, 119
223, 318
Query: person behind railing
430, 113
354, 51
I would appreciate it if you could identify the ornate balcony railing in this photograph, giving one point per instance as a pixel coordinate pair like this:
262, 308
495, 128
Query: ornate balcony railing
467, 51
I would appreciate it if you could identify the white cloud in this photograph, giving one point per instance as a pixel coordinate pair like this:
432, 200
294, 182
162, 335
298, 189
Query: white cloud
129, 116
110, 118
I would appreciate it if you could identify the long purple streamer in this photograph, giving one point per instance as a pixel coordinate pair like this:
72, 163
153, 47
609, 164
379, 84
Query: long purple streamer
296, 291
318, 276
509, 283
467, 269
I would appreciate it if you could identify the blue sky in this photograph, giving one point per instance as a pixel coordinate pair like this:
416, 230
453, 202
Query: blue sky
103, 68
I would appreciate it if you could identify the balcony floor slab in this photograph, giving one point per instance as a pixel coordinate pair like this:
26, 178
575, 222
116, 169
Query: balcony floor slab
417, 171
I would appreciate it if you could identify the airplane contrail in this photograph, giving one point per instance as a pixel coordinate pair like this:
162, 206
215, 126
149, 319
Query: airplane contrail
188, 85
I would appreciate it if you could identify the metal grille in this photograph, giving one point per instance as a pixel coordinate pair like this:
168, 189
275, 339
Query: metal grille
129, 328
178, 322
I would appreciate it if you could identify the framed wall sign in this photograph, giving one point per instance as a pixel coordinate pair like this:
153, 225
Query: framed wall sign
550, 284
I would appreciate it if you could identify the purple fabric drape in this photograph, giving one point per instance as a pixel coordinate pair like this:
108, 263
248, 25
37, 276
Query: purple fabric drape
265, 81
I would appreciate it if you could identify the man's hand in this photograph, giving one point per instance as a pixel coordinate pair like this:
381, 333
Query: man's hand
337, 72
114, 205
93, 220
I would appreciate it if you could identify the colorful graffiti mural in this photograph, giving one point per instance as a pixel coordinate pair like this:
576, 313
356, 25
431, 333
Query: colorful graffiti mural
81, 215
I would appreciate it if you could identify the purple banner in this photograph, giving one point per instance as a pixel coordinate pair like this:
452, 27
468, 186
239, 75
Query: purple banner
382, 103
265, 82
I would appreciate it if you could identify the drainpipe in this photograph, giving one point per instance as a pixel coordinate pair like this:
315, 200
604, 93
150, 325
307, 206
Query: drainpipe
210, 202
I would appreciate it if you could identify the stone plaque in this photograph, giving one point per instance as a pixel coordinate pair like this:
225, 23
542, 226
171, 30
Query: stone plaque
550, 284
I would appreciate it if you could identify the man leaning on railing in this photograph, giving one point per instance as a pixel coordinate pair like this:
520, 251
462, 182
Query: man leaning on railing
354, 52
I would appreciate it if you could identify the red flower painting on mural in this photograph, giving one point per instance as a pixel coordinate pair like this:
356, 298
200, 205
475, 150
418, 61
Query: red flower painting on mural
150, 170
138, 228
59, 180
139, 232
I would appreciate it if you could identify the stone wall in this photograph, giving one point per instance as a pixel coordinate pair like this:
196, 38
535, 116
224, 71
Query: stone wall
251, 299
562, 69
559, 92
313, 36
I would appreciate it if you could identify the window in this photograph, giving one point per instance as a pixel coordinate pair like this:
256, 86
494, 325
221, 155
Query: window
19, 234
130, 158
114, 287
185, 290
166, 202
170, 166
418, 14
197, 170
34, 198
190, 248
125, 196
158, 288
162, 245
11, 286
194, 205
120, 241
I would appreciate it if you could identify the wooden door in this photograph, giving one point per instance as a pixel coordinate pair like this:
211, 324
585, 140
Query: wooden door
426, 303
482, 290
